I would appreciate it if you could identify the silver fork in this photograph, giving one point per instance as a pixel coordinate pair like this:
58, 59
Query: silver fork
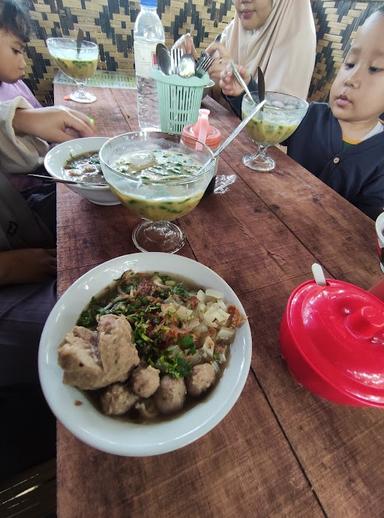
175, 60
203, 64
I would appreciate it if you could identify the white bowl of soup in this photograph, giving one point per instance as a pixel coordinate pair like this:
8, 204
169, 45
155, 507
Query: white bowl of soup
78, 160
138, 434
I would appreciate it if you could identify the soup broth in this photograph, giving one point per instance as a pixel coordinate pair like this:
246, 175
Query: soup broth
84, 168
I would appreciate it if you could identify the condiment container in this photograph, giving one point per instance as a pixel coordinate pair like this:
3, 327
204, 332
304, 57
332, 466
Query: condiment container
332, 338
205, 133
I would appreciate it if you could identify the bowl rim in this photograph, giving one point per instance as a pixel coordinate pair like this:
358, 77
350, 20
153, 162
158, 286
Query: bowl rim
58, 147
117, 437
59, 39
146, 133
278, 108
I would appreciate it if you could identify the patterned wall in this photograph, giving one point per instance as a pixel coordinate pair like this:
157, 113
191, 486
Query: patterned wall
110, 24
336, 22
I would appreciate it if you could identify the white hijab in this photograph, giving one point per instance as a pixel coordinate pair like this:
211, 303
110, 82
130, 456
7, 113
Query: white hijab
284, 47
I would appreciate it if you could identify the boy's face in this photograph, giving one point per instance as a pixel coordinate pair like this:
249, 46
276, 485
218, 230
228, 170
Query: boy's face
12, 61
357, 94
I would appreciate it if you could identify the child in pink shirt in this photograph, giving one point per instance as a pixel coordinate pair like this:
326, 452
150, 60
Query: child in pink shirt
14, 33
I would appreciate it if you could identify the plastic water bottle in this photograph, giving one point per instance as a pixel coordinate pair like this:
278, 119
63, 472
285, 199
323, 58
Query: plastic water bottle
148, 32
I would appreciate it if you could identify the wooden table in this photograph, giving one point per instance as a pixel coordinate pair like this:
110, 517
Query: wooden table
280, 451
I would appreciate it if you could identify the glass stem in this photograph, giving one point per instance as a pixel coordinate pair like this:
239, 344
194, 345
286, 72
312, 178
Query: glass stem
261, 152
81, 89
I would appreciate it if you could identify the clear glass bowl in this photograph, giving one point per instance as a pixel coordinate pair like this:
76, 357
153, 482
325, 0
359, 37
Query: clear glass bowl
278, 119
79, 62
158, 200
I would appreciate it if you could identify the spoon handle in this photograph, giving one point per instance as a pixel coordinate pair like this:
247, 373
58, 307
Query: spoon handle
70, 182
237, 130
260, 84
241, 82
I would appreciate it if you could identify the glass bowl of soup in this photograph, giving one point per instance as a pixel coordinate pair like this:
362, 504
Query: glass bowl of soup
159, 178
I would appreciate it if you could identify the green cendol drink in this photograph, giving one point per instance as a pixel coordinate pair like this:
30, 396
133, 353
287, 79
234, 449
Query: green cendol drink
164, 188
79, 66
267, 132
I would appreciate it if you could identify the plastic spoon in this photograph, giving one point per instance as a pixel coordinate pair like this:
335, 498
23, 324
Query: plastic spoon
202, 127
260, 84
79, 39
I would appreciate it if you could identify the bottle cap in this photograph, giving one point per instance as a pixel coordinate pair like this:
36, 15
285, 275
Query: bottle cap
149, 3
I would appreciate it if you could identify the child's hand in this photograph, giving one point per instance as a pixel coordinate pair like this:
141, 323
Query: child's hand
53, 124
228, 83
27, 265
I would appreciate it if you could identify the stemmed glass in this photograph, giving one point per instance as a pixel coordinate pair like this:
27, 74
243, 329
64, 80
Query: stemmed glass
157, 193
78, 60
278, 119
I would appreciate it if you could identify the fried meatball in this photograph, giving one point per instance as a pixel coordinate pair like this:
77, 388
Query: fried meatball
202, 377
145, 381
95, 359
170, 396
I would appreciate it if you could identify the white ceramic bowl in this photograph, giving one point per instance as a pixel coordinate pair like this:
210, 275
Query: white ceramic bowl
57, 157
123, 437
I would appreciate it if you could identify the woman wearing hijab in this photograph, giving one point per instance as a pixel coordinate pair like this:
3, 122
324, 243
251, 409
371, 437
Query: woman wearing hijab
277, 35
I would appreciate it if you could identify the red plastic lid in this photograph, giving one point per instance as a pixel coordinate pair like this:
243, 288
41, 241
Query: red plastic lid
339, 330
213, 139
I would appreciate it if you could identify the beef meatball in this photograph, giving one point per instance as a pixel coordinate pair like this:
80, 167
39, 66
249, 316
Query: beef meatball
202, 377
145, 381
170, 396
117, 399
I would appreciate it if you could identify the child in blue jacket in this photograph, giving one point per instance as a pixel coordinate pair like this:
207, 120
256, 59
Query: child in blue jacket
342, 142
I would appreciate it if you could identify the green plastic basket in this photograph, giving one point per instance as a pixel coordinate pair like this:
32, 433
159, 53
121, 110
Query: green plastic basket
179, 99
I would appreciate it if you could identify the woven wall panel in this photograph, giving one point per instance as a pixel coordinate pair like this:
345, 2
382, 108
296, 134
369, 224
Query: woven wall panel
110, 24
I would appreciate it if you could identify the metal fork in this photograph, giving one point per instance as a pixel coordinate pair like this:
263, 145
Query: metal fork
203, 64
175, 60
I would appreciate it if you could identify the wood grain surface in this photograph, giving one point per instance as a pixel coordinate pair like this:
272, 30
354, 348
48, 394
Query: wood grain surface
281, 451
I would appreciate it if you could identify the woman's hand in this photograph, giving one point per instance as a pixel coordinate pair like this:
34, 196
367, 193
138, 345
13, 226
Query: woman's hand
228, 82
222, 59
53, 124
27, 265
185, 43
